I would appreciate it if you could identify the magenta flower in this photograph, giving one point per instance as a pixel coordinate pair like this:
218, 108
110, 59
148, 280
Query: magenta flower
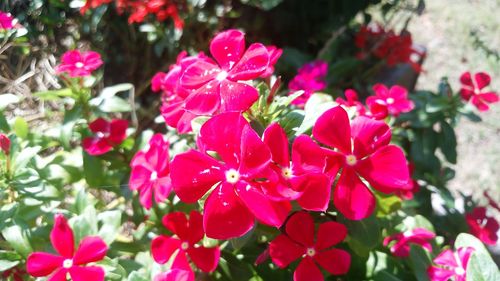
393, 101
274, 54
482, 226
68, 262
218, 86
310, 78
473, 90
175, 274
79, 64
4, 144
150, 172
188, 233
6, 21
362, 150
238, 196
418, 236
302, 178
450, 265
298, 242
352, 101
106, 135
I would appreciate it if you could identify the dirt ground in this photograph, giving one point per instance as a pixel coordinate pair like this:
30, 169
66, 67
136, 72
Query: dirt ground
445, 29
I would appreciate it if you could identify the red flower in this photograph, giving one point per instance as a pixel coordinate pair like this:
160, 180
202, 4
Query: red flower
175, 274
419, 236
482, 226
5, 144
473, 90
91, 249
188, 234
150, 172
298, 242
93, 4
6, 21
238, 196
78, 64
413, 187
362, 149
107, 135
352, 101
218, 86
310, 79
16, 274
301, 178
393, 101
450, 265
274, 54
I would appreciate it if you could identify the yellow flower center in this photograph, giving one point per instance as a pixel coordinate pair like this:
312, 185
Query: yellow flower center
311, 252
232, 176
351, 160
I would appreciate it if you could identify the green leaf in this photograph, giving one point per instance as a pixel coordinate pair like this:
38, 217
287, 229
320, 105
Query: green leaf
111, 222
17, 238
317, 104
108, 101
136, 276
481, 266
8, 260
84, 224
265, 5
93, 170
448, 142
22, 159
55, 94
364, 235
21, 127
420, 260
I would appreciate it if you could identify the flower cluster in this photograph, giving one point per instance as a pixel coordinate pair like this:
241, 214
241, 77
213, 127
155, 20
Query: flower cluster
139, 9
310, 79
418, 236
6, 21
473, 90
107, 134
483, 226
393, 48
450, 265
79, 64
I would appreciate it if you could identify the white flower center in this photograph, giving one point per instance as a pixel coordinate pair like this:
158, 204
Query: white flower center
390, 100
184, 246
67, 263
407, 233
154, 176
459, 271
221, 76
351, 160
286, 172
311, 252
79, 64
232, 176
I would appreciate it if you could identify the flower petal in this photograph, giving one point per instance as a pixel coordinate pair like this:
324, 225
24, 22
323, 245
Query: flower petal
199, 73
386, 169
196, 231
253, 63
315, 190
300, 228
332, 128
255, 155
99, 125
351, 196
92, 249
118, 131
205, 259
482, 79
269, 212
86, 273
307, 271
96, 146
439, 274
236, 96
42, 264
466, 79
193, 174
60, 275
369, 135
227, 47
446, 258
225, 216
275, 138
206, 100
329, 234
163, 247
335, 261
175, 274
307, 156
177, 223
61, 237
284, 251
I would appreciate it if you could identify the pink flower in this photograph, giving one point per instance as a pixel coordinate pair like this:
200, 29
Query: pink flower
362, 149
393, 101
413, 187
238, 197
79, 64
91, 249
418, 236
310, 79
482, 226
352, 101
4, 144
274, 54
473, 90
298, 242
106, 135
175, 274
150, 172
174, 94
6, 21
450, 265
302, 178
188, 233
218, 86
